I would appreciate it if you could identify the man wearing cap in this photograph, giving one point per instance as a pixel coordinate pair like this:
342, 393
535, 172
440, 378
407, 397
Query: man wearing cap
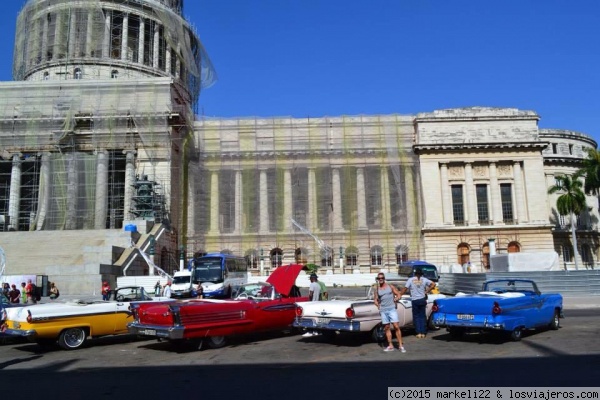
419, 288
314, 291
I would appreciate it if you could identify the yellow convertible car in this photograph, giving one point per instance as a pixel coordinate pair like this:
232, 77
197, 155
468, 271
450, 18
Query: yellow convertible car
71, 323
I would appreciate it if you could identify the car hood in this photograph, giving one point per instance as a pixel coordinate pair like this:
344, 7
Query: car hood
284, 277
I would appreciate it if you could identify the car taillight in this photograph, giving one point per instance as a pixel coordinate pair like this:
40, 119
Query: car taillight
496, 309
29, 317
435, 307
349, 313
299, 311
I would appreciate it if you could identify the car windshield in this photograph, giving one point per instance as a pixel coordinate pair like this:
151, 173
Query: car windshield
130, 294
181, 279
510, 285
254, 291
208, 269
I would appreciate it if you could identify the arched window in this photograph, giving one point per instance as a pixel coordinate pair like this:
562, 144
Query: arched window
351, 256
252, 258
301, 255
276, 258
485, 255
46, 75
326, 257
377, 255
77, 73
401, 254
514, 247
114, 74
463, 252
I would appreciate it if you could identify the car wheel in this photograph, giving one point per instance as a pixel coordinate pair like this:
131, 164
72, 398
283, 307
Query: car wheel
72, 338
516, 334
378, 334
456, 333
216, 342
555, 323
431, 325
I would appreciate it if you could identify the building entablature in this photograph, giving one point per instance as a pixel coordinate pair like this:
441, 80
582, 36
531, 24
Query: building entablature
469, 147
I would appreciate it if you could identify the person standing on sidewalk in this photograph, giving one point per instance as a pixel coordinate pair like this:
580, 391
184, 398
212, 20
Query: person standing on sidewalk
419, 288
314, 294
385, 300
105, 291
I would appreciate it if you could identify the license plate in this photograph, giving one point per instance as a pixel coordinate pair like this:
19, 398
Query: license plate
149, 332
323, 321
465, 316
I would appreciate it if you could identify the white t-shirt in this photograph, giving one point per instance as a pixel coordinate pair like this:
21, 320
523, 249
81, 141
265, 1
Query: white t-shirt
315, 288
167, 291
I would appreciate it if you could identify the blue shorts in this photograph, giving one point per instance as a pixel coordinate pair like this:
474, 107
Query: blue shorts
389, 316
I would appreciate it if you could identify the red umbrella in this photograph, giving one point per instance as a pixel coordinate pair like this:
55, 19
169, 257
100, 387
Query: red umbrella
284, 277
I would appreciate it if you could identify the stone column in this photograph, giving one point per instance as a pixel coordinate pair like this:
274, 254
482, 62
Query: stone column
178, 61
106, 42
411, 198
263, 203
156, 47
45, 39
214, 203
44, 195
125, 38
129, 183
311, 220
89, 35
470, 196
57, 36
287, 200
72, 184
361, 202
33, 51
337, 199
385, 199
141, 41
521, 209
15, 192
168, 60
446, 195
72, 35
496, 215
239, 211
101, 190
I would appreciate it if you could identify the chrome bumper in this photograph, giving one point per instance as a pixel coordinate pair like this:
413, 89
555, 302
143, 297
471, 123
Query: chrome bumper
172, 332
332, 325
29, 334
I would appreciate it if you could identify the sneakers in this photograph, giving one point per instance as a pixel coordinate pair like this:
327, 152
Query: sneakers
389, 348
402, 349
307, 334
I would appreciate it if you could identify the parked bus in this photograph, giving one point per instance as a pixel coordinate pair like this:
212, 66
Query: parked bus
218, 273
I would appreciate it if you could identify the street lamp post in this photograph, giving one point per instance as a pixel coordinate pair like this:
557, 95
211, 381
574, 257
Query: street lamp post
341, 259
152, 252
262, 263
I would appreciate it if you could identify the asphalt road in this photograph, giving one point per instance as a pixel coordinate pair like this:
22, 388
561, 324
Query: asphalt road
287, 366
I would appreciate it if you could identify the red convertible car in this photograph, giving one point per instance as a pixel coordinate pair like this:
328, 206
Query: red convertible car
254, 307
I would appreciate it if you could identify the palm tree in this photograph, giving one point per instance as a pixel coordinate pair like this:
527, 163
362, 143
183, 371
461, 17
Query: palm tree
591, 172
570, 202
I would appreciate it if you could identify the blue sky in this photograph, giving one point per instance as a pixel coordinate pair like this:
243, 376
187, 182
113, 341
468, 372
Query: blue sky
313, 58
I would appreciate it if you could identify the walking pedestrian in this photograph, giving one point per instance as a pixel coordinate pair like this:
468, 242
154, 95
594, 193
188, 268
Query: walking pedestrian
105, 291
385, 300
419, 287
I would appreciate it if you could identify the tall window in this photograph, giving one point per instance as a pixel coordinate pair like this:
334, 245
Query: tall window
252, 258
507, 204
114, 74
485, 255
46, 75
586, 254
276, 258
513, 247
401, 254
351, 256
567, 253
77, 73
482, 204
376, 255
458, 205
326, 257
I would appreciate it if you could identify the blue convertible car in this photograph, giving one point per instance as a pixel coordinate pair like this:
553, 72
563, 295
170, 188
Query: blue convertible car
507, 305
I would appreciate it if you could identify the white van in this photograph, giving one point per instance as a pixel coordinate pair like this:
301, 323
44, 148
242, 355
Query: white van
182, 284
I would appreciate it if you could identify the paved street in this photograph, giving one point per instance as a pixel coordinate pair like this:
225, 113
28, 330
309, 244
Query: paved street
286, 363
